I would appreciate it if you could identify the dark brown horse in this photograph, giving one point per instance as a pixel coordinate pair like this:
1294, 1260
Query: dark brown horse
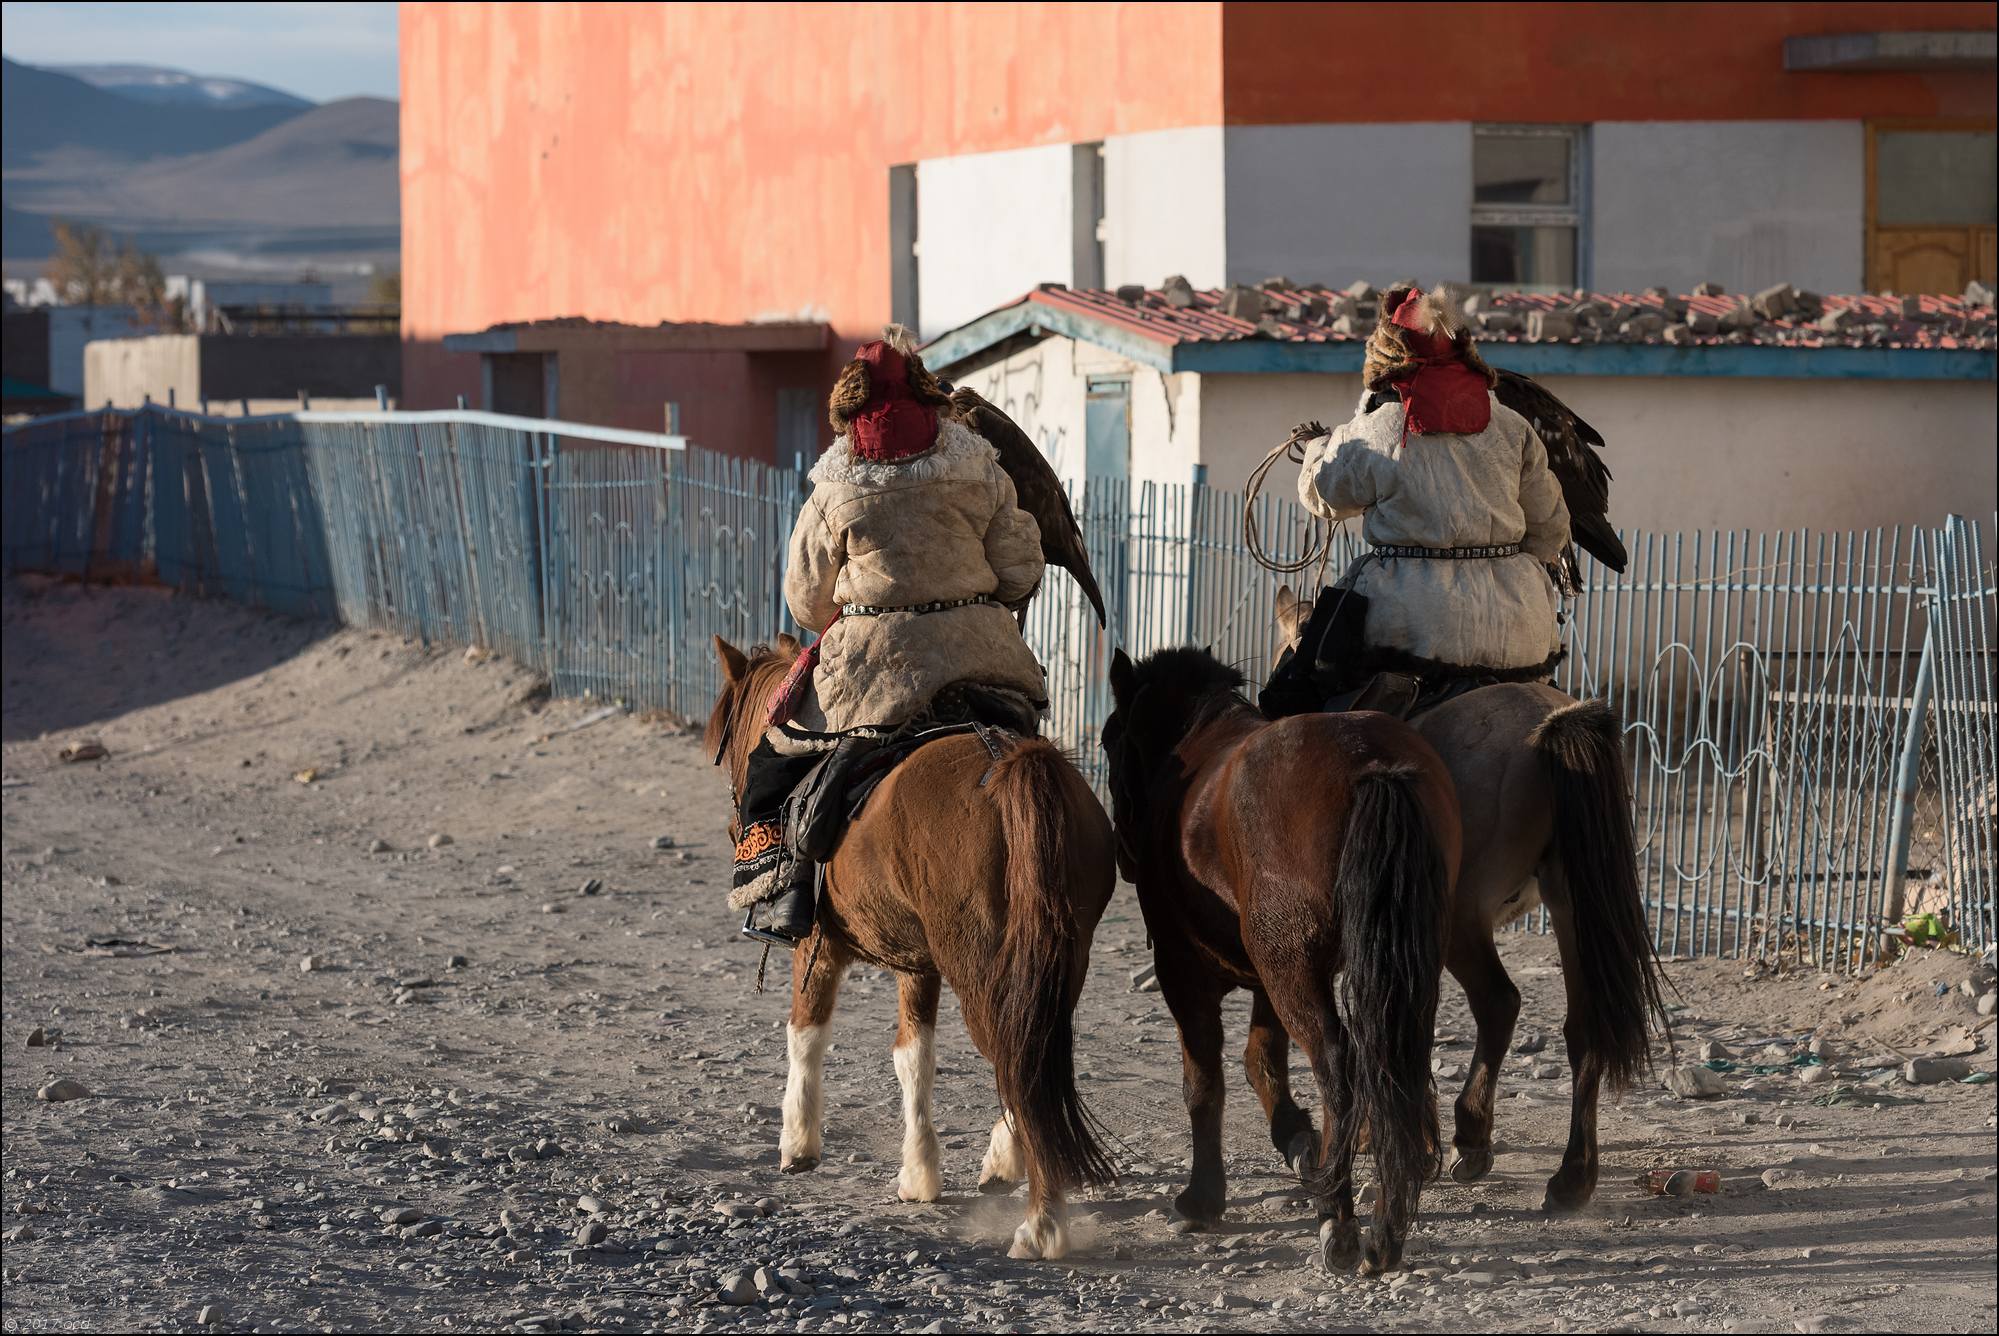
989, 875
1547, 820
1273, 857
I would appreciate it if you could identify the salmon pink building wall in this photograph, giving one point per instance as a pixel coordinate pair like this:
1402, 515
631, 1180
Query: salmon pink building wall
730, 162
726, 162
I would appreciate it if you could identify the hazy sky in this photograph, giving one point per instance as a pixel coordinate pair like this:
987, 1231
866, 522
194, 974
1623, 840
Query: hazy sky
318, 51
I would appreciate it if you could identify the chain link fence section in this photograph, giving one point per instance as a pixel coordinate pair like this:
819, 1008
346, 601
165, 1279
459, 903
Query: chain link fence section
1810, 717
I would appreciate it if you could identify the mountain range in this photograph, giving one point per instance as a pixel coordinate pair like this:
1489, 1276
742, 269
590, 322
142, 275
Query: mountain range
152, 83
237, 175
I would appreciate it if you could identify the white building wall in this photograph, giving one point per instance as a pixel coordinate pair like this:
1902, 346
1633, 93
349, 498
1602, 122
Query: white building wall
1710, 453
1746, 204
1335, 203
989, 227
71, 328
1041, 390
1164, 196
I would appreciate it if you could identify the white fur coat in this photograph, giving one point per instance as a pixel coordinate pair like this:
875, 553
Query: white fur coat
1438, 491
936, 527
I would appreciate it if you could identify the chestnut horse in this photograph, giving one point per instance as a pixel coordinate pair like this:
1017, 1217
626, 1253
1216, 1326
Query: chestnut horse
1547, 820
989, 875
1272, 857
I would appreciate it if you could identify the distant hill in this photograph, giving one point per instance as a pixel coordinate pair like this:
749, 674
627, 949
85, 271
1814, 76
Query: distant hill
156, 84
331, 166
46, 116
207, 187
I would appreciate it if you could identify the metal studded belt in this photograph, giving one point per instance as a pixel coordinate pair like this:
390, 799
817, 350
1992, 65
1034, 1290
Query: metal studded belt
1487, 552
941, 605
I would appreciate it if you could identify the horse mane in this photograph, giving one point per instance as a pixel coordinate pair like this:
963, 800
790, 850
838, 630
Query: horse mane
739, 713
1214, 688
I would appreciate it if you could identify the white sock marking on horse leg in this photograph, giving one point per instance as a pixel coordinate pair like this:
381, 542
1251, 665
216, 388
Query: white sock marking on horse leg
804, 1110
916, 1069
1045, 1233
1003, 1162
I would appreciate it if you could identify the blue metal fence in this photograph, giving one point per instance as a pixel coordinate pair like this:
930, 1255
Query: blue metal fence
1810, 717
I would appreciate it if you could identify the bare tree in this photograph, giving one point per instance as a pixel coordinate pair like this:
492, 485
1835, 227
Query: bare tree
83, 268
89, 269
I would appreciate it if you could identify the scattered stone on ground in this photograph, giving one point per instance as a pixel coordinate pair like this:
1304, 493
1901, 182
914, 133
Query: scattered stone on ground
294, 1150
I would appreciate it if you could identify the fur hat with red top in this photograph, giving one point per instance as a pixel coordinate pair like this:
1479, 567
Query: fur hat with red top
885, 402
1422, 350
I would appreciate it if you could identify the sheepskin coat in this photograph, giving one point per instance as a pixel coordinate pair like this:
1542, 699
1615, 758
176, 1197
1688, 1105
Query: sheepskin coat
933, 527
1496, 616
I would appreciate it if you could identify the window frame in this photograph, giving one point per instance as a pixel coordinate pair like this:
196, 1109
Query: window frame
1871, 277
1574, 214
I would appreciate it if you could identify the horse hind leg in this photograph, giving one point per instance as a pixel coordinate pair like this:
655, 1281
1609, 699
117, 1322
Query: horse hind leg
1044, 1235
919, 1179
815, 988
1495, 1007
1330, 1180
1575, 1182
1004, 1167
1266, 1058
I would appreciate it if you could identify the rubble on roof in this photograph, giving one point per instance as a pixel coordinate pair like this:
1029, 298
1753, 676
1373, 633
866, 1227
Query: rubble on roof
1781, 315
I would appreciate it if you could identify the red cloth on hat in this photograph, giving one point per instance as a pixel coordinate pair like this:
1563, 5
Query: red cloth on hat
892, 424
1440, 394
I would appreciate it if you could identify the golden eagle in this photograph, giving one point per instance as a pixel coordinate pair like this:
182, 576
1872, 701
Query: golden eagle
1041, 492
1572, 457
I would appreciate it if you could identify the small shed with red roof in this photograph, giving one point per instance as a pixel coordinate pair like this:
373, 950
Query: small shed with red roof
1778, 409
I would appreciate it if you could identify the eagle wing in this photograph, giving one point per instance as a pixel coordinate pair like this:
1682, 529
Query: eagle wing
1041, 493
1572, 456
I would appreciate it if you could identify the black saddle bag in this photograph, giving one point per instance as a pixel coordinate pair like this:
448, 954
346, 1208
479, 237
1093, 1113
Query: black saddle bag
1324, 661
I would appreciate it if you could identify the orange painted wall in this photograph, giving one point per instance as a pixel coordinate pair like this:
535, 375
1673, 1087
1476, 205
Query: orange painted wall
1575, 62
725, 162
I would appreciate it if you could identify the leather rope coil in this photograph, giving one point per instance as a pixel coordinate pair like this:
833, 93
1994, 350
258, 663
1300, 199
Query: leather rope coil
1318, 535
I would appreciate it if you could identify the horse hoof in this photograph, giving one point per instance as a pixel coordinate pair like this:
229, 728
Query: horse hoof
1339, 1244
1379, 1259
1194, 1215
802, 1164
1563, 1199
1043, 1241
1301, 1154
1471, 1165
997, 1187
918, 1185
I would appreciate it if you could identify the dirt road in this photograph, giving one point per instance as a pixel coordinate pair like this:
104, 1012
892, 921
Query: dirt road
405, 960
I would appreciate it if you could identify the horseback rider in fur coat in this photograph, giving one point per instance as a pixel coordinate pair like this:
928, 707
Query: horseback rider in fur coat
1461, 509
904, 560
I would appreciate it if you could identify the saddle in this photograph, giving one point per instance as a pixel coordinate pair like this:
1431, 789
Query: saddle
1326, 670
834, 791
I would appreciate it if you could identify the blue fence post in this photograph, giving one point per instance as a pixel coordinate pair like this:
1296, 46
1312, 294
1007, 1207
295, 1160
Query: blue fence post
1908, 774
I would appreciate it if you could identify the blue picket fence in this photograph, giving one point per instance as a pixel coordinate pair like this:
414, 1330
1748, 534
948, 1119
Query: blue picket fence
1810, 717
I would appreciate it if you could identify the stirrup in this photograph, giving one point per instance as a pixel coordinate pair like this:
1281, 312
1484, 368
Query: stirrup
766, 936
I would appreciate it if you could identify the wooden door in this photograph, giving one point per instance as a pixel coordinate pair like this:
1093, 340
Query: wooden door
1932, 205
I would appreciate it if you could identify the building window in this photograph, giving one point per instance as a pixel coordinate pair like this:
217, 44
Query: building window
1932, 206
903, 303
1086, 223
1527, 207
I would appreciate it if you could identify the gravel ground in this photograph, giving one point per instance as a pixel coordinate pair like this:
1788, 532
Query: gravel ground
406, 999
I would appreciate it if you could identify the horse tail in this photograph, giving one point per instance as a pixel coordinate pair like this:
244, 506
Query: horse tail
1582, 745
1392, 894
1029, 999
